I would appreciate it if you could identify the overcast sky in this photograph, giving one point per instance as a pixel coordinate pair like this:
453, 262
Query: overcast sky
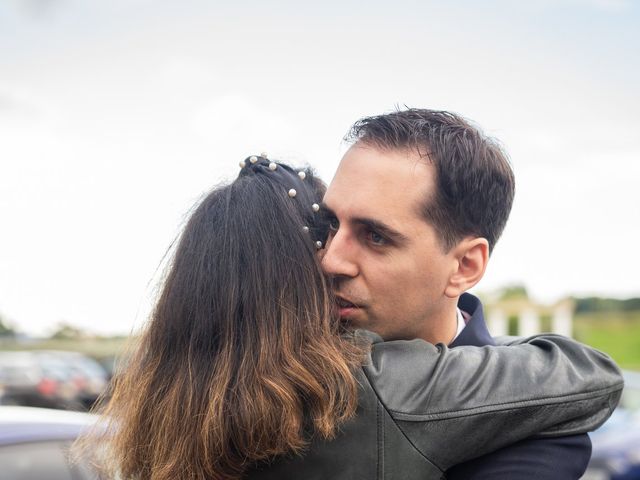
116, 116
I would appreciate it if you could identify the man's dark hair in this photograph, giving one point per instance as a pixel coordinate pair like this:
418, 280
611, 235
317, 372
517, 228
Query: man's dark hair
474, 181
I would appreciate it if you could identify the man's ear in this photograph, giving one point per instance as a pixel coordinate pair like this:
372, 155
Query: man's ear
471, 255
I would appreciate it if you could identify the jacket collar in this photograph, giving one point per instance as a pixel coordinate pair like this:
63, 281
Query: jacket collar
476, 332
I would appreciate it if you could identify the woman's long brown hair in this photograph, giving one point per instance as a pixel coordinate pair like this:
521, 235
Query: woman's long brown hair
242, 359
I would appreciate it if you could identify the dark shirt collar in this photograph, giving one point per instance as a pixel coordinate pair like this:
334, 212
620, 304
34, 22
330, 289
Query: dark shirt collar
476, 332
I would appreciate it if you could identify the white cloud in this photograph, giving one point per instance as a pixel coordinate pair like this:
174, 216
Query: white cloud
233, 120
611, 5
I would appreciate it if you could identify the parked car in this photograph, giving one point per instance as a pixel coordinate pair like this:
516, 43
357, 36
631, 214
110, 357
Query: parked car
51, 379
34, 444
89, 377
616, 445
30, 380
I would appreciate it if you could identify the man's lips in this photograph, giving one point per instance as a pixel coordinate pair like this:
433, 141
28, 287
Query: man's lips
343, 302
346, 307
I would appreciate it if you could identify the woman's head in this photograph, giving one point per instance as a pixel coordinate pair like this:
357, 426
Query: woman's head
243, 255
242, 356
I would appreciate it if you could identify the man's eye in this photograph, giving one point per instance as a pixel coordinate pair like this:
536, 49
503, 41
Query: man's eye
376, 238
333, 224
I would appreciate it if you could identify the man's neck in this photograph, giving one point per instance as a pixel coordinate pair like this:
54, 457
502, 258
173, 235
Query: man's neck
443, 326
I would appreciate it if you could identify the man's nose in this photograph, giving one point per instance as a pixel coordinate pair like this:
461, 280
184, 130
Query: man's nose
339, 257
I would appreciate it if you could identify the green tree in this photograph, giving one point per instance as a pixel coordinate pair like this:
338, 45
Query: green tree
6, 330
603, 304
65, 331
513, 291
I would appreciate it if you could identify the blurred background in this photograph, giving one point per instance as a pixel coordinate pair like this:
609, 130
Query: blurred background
115, 117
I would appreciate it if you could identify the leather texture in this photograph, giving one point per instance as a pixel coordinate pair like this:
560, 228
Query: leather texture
548, 458
417, 401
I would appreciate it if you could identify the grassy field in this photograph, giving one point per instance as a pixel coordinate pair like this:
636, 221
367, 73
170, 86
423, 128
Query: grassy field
617, 334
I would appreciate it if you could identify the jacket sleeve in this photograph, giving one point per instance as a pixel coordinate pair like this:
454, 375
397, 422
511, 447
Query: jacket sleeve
555, 458
457, 404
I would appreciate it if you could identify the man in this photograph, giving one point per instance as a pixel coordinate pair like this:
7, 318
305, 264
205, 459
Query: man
415, 209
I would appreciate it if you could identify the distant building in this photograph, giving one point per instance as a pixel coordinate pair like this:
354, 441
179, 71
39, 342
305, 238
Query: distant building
529, 315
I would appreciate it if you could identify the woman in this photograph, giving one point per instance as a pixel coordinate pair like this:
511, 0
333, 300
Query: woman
245, 372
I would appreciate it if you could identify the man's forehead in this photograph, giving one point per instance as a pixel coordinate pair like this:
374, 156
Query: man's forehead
377, 183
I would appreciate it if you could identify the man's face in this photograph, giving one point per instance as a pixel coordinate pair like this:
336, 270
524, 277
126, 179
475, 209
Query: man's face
389, 268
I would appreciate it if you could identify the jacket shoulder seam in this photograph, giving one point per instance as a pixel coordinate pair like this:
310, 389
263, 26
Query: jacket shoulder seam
384, 408
496, 407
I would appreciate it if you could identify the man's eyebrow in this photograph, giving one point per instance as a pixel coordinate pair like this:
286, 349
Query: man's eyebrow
371, 224
382, 229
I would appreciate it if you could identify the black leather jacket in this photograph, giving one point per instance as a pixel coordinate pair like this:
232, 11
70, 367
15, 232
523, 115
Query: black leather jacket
424, 408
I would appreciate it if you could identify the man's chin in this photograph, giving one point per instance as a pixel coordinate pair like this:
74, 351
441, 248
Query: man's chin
354, 319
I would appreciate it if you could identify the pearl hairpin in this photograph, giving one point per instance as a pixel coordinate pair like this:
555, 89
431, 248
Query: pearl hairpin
292, 193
